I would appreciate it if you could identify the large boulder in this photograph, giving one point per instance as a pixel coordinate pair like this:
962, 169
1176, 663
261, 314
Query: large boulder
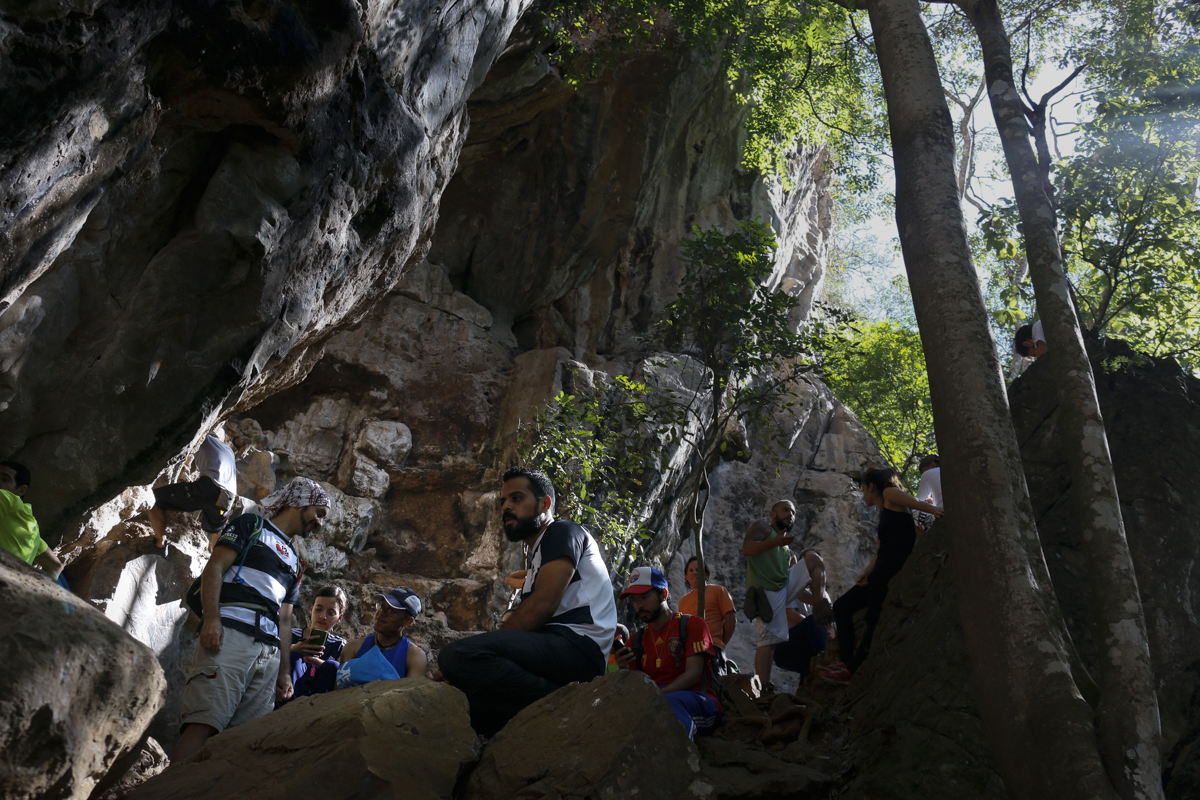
78, 692
613, 737
916, 730
406, 739
1153, 425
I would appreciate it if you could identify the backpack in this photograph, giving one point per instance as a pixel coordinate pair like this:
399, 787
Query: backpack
192, 598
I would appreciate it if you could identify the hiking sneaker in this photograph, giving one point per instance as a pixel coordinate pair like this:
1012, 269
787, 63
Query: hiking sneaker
834, 673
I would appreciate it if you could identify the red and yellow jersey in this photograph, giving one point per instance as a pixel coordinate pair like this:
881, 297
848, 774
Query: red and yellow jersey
662, 647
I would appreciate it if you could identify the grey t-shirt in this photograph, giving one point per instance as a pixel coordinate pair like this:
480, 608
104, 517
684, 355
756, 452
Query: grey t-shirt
216, 460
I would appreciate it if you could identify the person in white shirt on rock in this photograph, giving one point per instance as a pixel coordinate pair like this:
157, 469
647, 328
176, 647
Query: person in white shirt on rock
214, 494
929, 490
1030, 341
564, 627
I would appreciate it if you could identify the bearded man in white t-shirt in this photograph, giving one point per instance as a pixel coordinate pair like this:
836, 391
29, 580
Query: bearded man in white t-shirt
564, 627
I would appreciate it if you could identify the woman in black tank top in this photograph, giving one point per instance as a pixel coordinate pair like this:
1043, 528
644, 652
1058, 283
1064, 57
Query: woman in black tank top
897, 536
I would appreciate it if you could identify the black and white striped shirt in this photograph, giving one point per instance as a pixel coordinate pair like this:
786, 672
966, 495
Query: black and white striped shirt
264, 577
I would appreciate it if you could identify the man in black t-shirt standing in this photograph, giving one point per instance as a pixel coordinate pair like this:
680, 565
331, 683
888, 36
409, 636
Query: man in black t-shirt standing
563, 628
247, 590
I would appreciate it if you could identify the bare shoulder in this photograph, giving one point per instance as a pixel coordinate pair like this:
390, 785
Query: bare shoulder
758, 531
350, 651
418, 661
813, 559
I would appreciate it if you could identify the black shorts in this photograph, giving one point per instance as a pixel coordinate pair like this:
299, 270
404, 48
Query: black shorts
199, 495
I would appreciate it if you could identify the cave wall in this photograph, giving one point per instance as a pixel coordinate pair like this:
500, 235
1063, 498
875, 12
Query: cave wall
196, 196
556, 246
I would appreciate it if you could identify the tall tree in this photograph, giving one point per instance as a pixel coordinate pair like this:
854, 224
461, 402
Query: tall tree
1127, 718
1039, 724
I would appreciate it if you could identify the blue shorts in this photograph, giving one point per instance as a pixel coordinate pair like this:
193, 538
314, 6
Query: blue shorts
698, 712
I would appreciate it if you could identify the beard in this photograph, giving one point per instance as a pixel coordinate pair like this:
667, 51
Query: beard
650, 616
779, 526
522, 530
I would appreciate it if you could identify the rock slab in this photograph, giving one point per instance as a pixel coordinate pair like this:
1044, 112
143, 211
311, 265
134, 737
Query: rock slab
408, 739
78, 691
613, 737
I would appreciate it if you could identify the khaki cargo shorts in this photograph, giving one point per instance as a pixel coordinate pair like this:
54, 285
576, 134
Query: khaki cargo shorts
775, 631
233, 686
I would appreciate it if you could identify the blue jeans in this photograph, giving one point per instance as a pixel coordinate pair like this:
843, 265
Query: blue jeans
698, 712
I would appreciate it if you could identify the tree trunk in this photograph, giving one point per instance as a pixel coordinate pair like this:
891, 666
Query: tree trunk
698, 522
1041, 729
1127, 717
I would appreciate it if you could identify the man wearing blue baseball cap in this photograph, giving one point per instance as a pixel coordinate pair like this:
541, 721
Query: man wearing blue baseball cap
674, 651
394, 611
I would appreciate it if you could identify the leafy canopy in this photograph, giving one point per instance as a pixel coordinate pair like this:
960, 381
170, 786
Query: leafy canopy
804, 69
878, 370
1127, 197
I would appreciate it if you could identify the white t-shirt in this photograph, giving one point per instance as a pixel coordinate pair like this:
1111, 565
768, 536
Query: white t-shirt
587, 609
216, 460
798, 579
929, 490
1039, 334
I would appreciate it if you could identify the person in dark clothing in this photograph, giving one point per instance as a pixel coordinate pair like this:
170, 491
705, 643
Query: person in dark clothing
562, 630
897, 537
238, 667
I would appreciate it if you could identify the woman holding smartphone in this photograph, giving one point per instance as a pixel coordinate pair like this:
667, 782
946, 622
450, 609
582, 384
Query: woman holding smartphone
316, 650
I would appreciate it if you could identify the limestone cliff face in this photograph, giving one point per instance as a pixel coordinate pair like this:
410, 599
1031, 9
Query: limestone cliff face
195, 196
556, 245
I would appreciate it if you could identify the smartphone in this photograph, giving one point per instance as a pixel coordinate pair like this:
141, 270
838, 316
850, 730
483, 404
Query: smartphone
318, 637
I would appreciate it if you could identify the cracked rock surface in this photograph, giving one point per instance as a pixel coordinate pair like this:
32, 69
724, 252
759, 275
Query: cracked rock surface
196, 196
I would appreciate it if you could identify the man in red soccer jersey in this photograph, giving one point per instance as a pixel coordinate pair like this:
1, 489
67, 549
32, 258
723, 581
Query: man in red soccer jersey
676, 661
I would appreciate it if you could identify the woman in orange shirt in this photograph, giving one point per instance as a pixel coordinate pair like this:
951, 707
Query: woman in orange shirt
719, 612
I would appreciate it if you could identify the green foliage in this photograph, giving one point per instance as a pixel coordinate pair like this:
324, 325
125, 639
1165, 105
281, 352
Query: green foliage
878, 370
1131, 237
737, 355
744, 338
804, 68
591, 446
1127, 197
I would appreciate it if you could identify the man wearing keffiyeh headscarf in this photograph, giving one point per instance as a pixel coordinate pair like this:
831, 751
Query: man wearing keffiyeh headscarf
296, 493
247, 592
